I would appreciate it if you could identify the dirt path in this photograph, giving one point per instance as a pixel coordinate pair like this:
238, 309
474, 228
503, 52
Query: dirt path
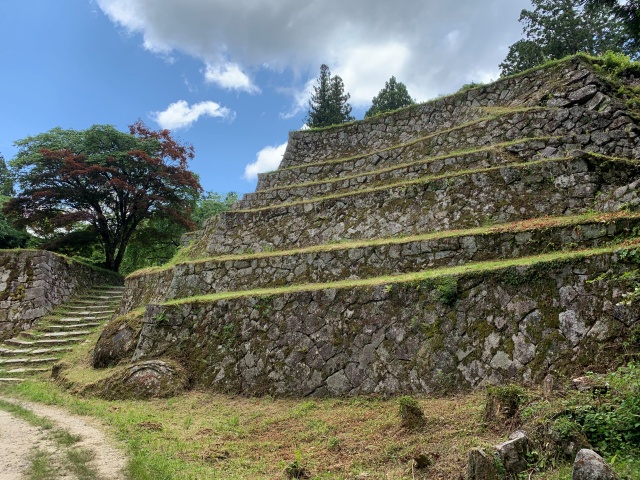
18, 438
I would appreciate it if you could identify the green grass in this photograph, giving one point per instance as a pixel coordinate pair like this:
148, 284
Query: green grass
203, 435
41, 466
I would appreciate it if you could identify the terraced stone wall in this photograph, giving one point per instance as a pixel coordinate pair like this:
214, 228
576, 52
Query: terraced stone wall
342, 261
501, 194
528, 169
514, 324
575, 81
33, 282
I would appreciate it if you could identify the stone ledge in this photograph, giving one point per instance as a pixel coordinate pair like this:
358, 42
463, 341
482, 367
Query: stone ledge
228, 274
547, 187
608, 133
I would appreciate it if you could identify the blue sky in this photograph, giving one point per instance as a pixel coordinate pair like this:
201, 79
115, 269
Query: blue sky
231, 77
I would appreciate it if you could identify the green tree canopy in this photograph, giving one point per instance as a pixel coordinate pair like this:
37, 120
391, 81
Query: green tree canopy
103, 182
394, 95
628, 12
10, 237
157, 240
557, 28
329, 103
211, 204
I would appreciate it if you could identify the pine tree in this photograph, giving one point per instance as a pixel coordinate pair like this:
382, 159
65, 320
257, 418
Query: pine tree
329, 102
394, 95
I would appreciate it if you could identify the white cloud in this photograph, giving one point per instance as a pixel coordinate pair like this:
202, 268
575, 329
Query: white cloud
430, 45
181, 115
360, 69
267, 159
230, 77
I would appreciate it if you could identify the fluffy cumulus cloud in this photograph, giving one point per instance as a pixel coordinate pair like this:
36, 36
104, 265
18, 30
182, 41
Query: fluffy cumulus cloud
229, 76
430, 45
182, 115
267, 160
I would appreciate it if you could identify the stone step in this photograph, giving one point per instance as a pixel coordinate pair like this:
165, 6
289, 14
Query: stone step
83, 318
68, 327
24, 371
46, 335
43, 341
576, 124
102, 311
11, 380
8, 352
566, 186
90, 303
379, 257
27, 361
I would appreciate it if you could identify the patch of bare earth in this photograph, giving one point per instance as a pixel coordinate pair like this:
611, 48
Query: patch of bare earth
19, 439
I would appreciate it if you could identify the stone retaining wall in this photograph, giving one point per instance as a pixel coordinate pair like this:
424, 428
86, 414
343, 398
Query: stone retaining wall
446, 334
573, 80
613, 134
33, 282
211, 276
559, 187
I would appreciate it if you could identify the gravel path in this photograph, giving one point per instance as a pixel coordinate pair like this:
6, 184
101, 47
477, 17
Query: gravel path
18, 438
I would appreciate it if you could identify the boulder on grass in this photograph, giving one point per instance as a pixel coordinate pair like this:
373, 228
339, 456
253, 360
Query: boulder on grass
117, 342
143, 380
591, 466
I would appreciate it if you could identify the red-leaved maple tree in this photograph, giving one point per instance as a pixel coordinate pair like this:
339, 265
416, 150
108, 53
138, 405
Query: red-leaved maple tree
102, 179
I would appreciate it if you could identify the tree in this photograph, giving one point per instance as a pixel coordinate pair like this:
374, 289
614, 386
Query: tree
394, 95
156, 241
10, 237
211, 204
6, 181
627, 12
557, 28
329, 103
103, 181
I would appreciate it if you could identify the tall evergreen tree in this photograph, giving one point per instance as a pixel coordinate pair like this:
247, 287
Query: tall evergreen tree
394, 95
6, 180
329, 103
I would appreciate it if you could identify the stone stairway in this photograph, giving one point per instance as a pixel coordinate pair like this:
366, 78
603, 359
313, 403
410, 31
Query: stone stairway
36, 350
474, 239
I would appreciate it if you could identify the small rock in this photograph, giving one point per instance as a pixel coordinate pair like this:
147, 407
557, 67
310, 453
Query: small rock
514, 453
482, 466
590, 384
548, 385
591, 466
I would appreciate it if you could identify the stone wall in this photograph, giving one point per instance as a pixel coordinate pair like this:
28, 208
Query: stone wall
574, 82
33, 282
447, 334
501, 194
341, 261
